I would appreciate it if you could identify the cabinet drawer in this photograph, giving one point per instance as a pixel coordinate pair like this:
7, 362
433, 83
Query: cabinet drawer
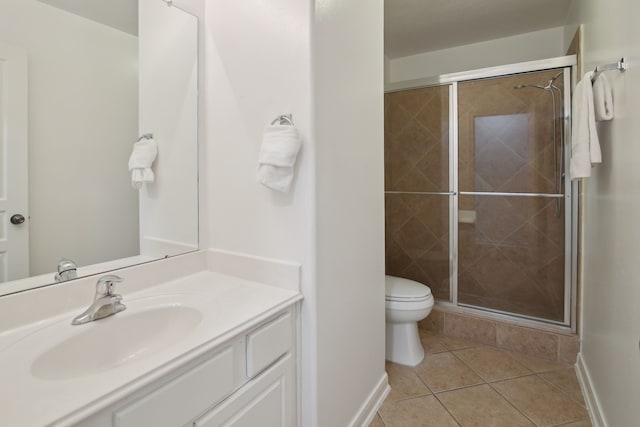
175, 403
266, 344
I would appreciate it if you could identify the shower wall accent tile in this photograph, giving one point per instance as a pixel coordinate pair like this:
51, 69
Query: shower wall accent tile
434, 322
528, 341
470, 329
524, 341
568, 349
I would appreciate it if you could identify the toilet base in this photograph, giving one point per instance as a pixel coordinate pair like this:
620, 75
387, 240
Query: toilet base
403, 344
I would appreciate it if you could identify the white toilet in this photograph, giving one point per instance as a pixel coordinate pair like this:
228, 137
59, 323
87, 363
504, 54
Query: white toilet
406, 303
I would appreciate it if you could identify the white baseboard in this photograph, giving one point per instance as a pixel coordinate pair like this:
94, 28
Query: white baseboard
590, 397
369, 408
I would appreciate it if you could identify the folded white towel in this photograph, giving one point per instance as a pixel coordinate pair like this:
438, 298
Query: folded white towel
602, 98
585, 144
140, 162
278, 153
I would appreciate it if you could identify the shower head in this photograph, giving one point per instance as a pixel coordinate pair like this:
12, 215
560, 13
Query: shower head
522, 86
548, 86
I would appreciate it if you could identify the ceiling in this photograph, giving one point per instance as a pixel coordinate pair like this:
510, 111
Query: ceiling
415, 26
119, 14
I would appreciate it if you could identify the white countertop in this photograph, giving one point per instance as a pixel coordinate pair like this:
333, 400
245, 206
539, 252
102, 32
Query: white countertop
228, 305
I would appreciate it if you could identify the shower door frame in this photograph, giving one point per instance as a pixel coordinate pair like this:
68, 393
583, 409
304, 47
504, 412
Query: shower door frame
569, 64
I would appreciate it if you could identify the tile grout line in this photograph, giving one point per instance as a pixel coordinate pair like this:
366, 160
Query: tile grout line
512, 404
562, 391
436, 396
491, 383
499, 394
384, 424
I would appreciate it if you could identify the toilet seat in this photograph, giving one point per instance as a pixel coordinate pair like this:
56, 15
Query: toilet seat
399, 289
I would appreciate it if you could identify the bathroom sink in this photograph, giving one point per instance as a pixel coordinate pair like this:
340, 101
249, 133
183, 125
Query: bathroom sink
111, 342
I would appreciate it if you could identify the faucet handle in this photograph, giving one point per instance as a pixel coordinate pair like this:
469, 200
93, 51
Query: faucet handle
106, 285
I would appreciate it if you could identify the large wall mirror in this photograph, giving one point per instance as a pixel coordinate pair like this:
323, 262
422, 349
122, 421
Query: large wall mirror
80, 82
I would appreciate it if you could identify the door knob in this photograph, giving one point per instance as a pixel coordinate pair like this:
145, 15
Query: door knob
17, 219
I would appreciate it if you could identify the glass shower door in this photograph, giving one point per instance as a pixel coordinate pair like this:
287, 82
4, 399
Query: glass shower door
511, 207
419, 187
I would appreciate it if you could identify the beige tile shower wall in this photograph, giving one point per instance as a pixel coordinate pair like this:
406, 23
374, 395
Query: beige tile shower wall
511, 249
417, 159
546, 345
511, 255
506, 134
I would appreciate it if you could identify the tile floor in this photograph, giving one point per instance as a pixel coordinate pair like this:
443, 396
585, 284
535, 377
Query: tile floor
466, 384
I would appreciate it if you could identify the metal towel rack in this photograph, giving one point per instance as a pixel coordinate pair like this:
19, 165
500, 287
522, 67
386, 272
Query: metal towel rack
620, 65
284, 119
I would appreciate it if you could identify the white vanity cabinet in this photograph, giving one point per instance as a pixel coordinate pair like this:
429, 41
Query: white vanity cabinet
265, 401
249, 380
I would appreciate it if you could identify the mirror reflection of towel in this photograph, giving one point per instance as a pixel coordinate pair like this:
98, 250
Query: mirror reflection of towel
280, 146
140, 162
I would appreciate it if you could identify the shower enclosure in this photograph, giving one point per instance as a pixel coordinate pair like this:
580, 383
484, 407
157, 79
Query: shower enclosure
477, 203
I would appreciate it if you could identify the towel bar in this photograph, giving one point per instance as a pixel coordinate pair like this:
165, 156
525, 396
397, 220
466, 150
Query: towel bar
620, 65
284, 119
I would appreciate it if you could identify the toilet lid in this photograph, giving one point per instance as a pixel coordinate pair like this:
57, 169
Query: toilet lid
401, 289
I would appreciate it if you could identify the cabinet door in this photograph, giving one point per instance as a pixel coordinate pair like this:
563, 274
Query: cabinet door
178, 401
266, 401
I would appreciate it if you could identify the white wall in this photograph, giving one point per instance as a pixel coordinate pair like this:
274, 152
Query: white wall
80, 134
521, 48
348, 123
259, 65
168, 41
611, 290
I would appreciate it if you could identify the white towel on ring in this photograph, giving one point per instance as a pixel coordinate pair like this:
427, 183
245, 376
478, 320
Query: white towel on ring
585, 144
277, 159
142, 157
602, 98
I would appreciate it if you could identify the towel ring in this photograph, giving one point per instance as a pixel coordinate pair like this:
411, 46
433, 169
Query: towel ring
145, 136
284, 119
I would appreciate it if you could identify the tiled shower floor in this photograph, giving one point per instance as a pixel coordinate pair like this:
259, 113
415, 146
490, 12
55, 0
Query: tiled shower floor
466, 384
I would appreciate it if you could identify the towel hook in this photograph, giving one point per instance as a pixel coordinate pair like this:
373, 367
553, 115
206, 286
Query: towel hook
145, 136
284, 119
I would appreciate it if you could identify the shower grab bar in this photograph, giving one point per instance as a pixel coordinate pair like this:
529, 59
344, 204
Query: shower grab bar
620, 65
495, 193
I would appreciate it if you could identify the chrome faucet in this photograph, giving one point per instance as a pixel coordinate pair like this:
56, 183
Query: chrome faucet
105, 302
66, 270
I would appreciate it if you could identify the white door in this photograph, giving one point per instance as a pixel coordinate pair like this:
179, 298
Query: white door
14, 215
